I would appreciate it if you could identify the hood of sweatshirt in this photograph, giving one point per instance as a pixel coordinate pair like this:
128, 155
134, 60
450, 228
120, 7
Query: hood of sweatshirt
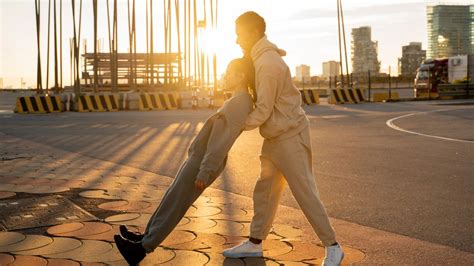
263, 45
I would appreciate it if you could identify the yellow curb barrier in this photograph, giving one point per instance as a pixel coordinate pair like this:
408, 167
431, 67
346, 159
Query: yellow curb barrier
310, 96
39, 104
342, 96
158, 101
426, 95
98, 103
380, 97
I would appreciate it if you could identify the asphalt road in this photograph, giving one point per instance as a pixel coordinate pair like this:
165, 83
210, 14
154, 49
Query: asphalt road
416, 181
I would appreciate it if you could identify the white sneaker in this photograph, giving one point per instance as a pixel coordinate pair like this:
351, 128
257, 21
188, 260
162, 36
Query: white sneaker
245, 249
334, 256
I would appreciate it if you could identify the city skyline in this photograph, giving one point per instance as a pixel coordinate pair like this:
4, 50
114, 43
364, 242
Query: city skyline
307, 31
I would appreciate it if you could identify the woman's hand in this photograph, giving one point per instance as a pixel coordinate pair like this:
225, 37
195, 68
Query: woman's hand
200, 184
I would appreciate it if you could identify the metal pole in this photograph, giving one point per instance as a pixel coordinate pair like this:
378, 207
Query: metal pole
47, 50
61, 43
39, 83
151, 46
368, 71
96, 81
468, 82
56, 78
349, 80
389, 82
340, 48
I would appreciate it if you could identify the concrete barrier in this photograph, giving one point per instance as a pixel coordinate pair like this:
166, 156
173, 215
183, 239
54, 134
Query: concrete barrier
38, 104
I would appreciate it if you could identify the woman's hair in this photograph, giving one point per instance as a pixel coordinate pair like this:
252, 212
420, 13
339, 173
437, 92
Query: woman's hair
245, 66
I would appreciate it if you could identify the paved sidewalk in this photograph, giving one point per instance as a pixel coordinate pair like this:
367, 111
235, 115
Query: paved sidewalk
61, 208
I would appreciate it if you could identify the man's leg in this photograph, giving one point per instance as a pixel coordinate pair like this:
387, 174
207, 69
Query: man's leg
175, 203
266, 197
294, 158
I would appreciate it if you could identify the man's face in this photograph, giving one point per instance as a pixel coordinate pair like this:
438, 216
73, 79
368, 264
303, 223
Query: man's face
246, 38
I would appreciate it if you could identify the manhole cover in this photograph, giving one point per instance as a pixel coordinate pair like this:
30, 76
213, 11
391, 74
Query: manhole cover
40, 211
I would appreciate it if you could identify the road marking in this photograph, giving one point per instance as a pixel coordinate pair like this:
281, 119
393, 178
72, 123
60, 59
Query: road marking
393, 126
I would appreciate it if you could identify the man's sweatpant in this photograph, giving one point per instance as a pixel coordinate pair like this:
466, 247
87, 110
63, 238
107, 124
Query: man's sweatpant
174, 205
291, 160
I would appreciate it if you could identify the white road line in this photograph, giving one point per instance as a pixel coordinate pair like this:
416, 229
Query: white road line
393, 126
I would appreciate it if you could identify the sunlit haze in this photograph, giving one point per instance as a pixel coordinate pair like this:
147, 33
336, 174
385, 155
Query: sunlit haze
306, 29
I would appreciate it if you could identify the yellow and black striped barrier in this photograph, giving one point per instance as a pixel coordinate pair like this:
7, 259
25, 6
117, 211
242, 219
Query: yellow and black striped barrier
98, 103
342, 96
310, 96
38, 104
158, 101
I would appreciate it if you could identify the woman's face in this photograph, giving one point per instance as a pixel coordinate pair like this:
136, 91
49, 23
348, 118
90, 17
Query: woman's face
233, 79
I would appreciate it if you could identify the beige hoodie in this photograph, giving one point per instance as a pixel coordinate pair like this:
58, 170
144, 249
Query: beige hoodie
278, 110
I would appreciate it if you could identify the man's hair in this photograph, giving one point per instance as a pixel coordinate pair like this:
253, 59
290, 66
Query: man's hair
251, 20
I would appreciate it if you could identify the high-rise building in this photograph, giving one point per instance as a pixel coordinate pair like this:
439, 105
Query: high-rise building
412, 57
450, 30
331, 69
364, 52
302, 73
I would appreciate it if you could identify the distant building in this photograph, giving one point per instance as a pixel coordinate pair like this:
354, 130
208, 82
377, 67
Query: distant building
330, 69
364, 52
412, 57
1, 83
450, 30
302, 73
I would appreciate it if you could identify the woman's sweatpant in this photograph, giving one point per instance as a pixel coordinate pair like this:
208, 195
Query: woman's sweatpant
291, 160
174, 205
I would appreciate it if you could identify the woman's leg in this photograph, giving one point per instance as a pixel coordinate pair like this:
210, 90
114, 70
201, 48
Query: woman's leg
175, 203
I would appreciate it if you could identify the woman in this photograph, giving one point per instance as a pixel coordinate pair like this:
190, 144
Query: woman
206, 160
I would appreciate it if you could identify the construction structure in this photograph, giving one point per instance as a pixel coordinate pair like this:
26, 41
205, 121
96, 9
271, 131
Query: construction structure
364, 52
450, 30
182, 63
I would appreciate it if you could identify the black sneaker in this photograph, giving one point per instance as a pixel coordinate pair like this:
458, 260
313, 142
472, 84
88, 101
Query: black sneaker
132, 252
129, 235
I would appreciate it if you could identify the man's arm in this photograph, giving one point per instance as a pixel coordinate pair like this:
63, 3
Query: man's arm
266, 97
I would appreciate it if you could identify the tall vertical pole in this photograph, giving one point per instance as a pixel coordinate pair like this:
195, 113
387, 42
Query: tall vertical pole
115, 30
147, 48
96, 81
389, 82
130, 46
349, 81
61, 43
178, 31
340, 49
370, 85
188, 54
56, 78
39, 83
47, 50
151, 47
165, 23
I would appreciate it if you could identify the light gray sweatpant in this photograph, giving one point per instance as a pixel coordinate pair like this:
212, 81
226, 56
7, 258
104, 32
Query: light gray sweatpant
174, 205
291, 160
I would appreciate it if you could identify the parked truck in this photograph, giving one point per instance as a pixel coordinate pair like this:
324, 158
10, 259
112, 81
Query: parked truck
435, 73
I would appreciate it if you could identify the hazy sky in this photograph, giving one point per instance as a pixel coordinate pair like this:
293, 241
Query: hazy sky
306, 29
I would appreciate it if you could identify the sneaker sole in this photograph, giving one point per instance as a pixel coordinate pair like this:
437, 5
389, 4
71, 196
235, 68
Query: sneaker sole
244, 255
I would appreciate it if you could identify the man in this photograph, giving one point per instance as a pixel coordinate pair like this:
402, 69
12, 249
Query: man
286, 151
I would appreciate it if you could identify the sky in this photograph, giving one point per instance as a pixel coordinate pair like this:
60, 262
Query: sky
306, 29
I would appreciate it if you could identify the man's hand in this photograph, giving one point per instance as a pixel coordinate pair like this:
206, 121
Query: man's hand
200, 184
